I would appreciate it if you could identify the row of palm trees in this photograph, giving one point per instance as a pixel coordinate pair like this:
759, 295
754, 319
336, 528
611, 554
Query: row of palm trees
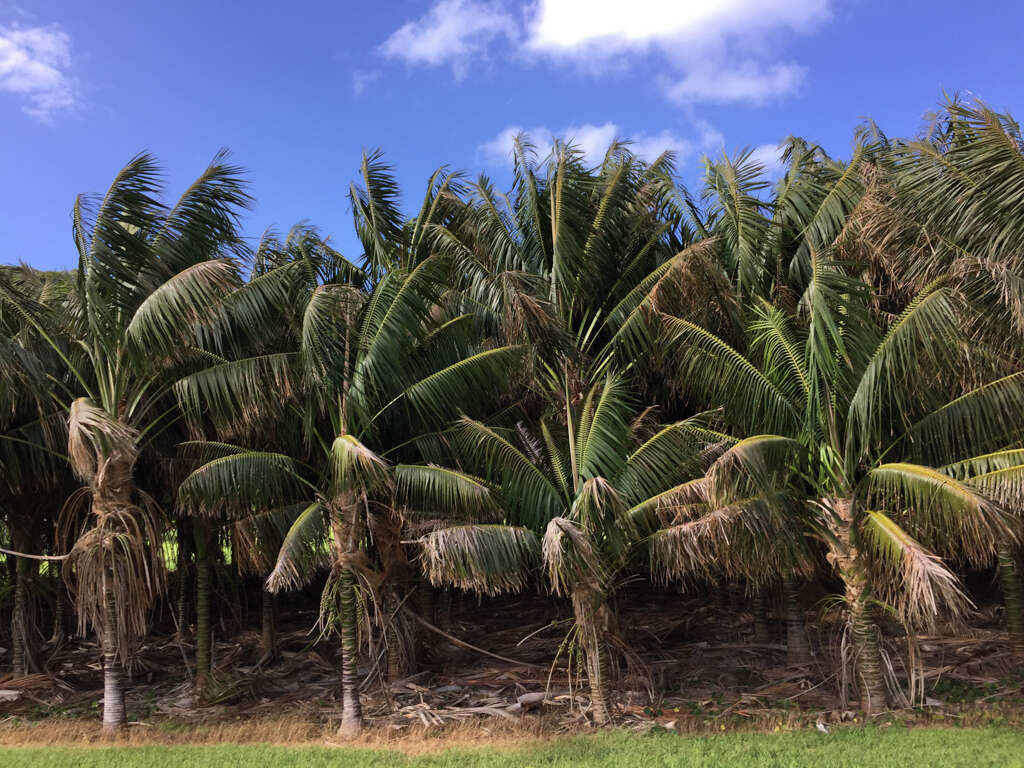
592, 376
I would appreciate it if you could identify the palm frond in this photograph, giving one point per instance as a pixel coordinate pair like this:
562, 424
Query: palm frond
486, 559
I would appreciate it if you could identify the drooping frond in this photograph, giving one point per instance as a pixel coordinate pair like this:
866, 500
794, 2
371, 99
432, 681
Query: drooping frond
242, 484
185, 309
915, 582
304, 551
486, 559
571, 559
527, 494
721, 376
355, 469
94, 437
945, 513
436, 491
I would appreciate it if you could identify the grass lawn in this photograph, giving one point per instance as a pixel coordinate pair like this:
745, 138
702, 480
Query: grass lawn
876, 747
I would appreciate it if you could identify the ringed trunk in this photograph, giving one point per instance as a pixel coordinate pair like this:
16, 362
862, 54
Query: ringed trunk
593, 622
868, 656
351, 708
19, 619
268, 624
798, 651
203, 627
114, 715
762, 629
59, 608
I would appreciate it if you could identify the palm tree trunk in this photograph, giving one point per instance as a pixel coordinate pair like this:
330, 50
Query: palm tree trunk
19, 618
798, 651
867, 651
1013, 595
268, 625
593, 622
203, 628
59, 609
351, 707
762, 628
182, 572
114, 716
868, 658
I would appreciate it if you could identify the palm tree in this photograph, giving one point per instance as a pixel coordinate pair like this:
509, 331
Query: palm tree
576, 498
877, 407
763, 243
377, 362
148, 291
948, 204
32, 432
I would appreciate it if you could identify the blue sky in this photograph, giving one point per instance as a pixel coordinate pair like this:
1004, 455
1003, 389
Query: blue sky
297, 90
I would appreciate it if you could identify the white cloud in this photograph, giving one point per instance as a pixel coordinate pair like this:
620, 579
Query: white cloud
606, 26
35, 64
593, 141
697, 41
363, 79
749, 82
452, 32
770, 156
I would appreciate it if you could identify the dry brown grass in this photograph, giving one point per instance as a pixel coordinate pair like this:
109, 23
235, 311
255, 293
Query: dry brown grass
289, 729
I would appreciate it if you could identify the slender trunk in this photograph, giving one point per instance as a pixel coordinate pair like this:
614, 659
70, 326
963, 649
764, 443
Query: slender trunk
762, 627
593, 622
181, 609
1013, 596
351, 708
182, 572
114, 717
268, 627
19, 619
798, 651
59, 608
203, 628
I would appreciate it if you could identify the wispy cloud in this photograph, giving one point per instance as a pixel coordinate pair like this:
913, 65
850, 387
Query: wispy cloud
770, 156
593, 140
35, 64
749, 83
363, 79
698, 42
452, 32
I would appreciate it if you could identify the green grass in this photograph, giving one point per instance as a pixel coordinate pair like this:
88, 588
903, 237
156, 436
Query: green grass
876, 747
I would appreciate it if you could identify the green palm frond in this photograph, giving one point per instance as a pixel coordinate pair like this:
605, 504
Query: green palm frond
432, 489
527, 494
304, 552
985, 418
188, 302
945, 513
241, 484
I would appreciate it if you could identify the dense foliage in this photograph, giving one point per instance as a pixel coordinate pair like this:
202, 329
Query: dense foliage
814, 374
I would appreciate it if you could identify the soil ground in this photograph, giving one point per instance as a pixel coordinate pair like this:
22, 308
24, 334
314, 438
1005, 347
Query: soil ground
686, 665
